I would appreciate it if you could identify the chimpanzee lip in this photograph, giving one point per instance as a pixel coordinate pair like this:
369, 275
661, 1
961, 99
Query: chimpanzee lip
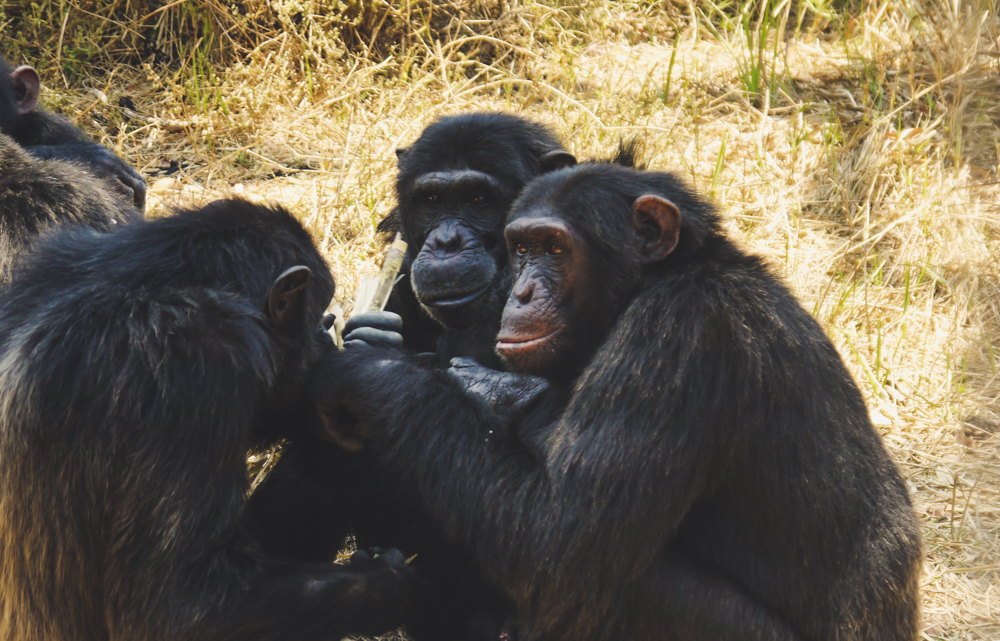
457, 301
514, 344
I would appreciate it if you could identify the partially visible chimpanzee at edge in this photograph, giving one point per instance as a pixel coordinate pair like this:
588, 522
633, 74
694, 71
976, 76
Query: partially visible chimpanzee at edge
713, 474
46, 135
36, 195
137, 369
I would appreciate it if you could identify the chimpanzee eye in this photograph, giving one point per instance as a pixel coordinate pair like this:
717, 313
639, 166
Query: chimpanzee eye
432, 198
521, 250
554, 249
479, 200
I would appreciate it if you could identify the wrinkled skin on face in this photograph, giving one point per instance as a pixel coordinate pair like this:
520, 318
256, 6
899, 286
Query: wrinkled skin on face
556, 315
455, 275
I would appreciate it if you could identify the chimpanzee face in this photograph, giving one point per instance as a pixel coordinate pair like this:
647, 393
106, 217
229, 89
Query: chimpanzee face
558, 313
457, 217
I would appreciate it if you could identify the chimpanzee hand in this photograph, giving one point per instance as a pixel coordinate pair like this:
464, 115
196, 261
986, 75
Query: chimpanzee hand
101, 161
508, 394
380, 329
390, 565
392, 557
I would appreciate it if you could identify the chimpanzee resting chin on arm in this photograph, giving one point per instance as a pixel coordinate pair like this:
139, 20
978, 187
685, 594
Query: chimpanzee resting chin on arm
137, 370
713, 473
46, 135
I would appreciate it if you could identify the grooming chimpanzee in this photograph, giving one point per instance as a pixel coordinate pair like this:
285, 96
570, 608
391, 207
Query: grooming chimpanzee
137, 369
38, 194
713, 473
46, 135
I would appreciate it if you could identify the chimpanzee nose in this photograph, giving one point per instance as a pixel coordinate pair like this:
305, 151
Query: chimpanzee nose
523, 291
446, 239
445, 243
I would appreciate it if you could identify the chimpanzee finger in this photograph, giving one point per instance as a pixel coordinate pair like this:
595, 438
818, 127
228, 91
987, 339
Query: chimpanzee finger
462, 362
328, 321
359, 555
326, 340
377, 320
373, 337
393, 556
139, 197
123, 188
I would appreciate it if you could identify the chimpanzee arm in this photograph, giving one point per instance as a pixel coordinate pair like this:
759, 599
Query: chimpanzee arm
624, 461
302, 508
49, 136
697, 604
183, 564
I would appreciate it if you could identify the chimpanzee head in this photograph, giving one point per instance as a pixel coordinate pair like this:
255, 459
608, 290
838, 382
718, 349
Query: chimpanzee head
259, 253
19, 90
581, 243
455, 185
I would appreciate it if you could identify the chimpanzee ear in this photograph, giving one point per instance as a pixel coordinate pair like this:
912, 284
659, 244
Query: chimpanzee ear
285, 298
26, 88
400, 152
658, 225
558, 159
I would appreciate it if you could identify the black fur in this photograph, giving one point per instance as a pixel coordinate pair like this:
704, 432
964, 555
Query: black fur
137, 370
46, 136
37, 194
713, 474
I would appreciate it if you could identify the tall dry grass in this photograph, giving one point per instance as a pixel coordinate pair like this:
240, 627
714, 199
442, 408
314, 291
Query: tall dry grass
854, 144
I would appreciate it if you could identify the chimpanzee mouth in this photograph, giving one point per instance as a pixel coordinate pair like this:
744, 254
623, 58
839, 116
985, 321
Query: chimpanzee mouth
457, 301
511, 346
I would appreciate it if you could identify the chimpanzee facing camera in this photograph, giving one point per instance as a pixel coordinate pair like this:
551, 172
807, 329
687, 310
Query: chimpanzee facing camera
703, 467
455, 185
137, 370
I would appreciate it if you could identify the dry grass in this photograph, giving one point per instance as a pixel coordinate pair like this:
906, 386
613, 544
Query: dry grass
864, 166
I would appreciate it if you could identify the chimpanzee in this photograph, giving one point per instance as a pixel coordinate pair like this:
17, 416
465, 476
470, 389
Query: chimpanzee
137, 369
455, 185
38, 194
46, 135
712, 473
